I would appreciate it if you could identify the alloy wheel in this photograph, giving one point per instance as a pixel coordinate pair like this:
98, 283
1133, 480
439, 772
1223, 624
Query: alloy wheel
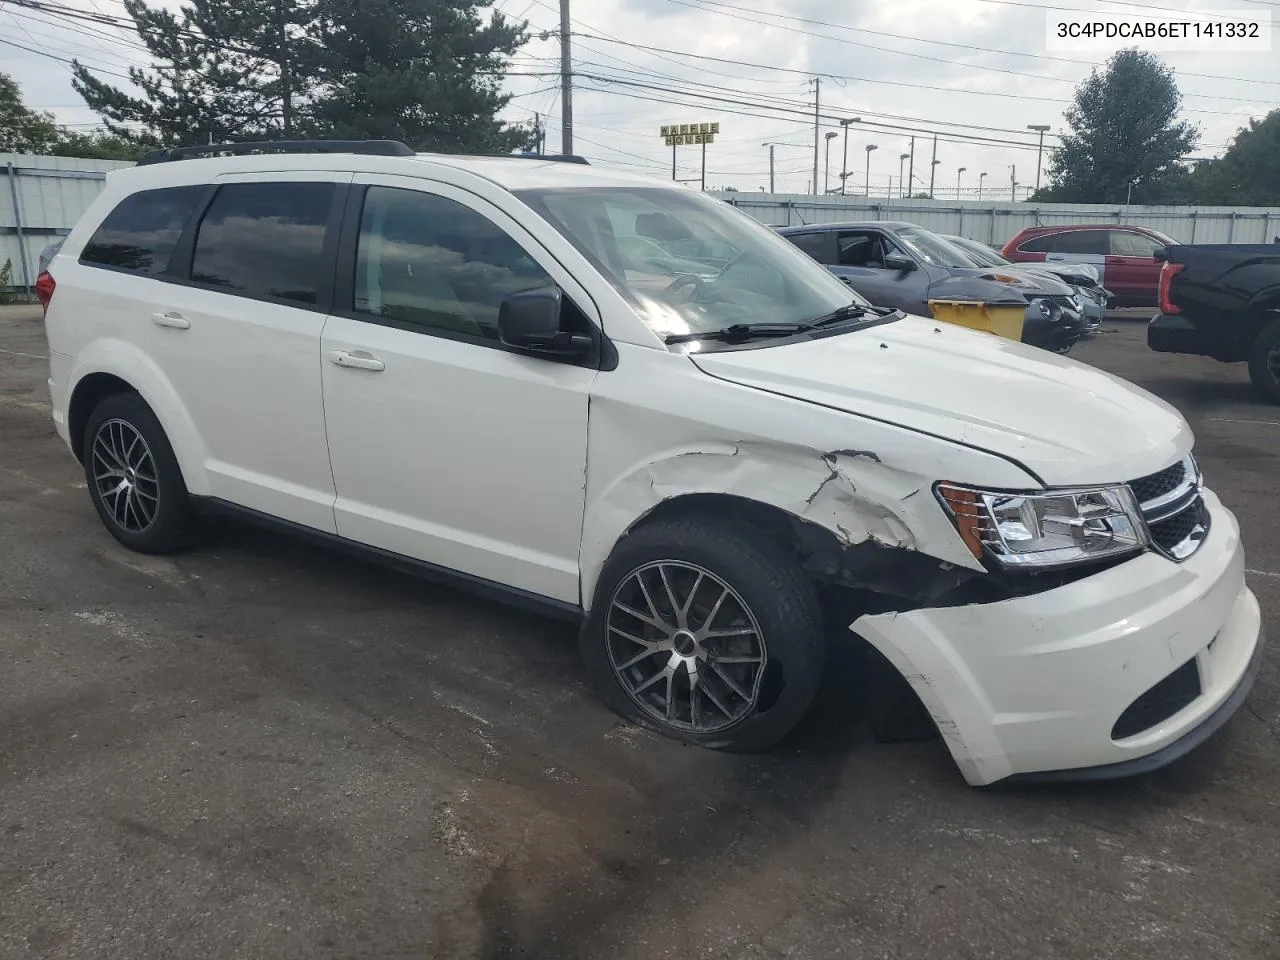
685, 646
124, 472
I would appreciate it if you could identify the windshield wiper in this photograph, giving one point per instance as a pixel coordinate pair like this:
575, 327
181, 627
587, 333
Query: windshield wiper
742, 331
738, 332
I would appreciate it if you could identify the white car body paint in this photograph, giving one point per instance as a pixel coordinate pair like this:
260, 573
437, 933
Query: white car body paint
527, 473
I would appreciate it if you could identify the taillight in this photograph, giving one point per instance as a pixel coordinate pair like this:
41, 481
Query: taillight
45, 285
1167, 273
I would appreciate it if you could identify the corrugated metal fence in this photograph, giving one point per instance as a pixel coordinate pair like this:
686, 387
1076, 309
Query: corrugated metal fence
40, 200
42, 197
996, 222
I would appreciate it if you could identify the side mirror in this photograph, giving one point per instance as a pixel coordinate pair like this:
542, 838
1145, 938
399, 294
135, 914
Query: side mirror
896, 261
530, 321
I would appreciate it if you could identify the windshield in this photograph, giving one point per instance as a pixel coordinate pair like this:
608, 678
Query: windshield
932, 249
980, 254
689, 263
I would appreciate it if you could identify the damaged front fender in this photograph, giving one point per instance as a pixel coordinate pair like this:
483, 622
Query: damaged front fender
852, 494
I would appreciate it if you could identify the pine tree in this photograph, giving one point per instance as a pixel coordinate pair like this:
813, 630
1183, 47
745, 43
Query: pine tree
223, 70
427, 72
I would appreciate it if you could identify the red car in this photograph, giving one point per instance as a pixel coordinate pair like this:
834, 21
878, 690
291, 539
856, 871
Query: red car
1124, 256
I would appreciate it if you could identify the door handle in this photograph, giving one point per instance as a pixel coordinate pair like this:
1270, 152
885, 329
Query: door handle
175, 320
359, 360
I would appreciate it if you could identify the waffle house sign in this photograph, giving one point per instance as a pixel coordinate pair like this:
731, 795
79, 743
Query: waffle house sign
690, 134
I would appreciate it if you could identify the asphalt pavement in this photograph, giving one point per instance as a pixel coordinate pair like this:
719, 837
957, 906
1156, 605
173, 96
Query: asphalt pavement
258, 750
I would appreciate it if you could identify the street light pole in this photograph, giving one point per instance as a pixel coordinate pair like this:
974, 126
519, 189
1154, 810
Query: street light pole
770, 146
902, 184
933, 169
1042, 129
844, 164
958, 172
1013, 183
866, 188
826, 176
981, 177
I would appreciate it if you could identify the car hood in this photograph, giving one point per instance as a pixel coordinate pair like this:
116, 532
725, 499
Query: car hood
1029, 283
1066, 422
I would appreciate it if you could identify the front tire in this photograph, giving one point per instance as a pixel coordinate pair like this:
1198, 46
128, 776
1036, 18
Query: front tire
705, 632
1264, 363
133, 476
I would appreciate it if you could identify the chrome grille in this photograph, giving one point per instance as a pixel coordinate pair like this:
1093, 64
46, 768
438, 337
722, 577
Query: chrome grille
1173, 508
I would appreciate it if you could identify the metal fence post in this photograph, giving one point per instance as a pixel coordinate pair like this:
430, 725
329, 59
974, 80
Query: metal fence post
17, 221
1231, 230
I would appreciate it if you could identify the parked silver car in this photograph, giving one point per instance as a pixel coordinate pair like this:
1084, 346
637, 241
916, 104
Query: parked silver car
1082, 277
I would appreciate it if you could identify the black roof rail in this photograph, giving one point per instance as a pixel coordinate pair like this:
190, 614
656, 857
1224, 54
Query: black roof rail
373, 148
557, 157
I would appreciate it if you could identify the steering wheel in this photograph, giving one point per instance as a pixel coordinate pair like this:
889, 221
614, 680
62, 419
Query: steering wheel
688, 280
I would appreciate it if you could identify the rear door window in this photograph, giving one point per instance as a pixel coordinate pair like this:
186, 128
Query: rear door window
265, 240
1071, 241
140, 234
1126, 244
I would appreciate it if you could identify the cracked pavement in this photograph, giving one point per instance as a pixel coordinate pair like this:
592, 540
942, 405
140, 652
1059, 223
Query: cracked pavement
255, 749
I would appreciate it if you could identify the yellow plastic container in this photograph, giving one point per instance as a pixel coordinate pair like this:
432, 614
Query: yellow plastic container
1001, 317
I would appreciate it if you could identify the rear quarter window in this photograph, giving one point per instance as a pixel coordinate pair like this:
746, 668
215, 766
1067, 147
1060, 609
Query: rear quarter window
140, 234
814, 244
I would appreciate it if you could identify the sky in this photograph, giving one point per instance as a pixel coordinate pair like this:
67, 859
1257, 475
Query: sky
974, 72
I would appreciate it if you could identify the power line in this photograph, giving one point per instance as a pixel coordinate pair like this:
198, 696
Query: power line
714, 7
920, 56
45, 53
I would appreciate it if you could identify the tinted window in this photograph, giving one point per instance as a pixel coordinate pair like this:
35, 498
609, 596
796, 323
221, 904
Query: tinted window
431, 261
1125, 244
1072, 241
265, 239
139, 235
861, 250
814, 244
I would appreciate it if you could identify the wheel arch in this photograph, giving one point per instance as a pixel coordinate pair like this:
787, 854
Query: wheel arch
111, 367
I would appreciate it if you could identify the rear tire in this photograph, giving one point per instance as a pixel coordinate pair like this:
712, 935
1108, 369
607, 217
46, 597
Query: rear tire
133, 476
1264, 363
705, 632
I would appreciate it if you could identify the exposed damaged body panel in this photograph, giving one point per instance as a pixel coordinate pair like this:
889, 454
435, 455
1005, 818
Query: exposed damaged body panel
707, 438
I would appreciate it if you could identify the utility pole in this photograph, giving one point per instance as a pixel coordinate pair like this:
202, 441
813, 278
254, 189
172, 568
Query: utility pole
911, 168
934, 169
566, 88
704, 165
1040, 128
770, 146
1013, 183
817, 107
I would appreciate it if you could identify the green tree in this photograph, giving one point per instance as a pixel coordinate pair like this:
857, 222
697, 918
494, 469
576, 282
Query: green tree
427, 72
223, 70
1126, 142
23, 130
1248, 173
97, 146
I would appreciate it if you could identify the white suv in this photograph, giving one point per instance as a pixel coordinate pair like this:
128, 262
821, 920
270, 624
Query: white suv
621, 400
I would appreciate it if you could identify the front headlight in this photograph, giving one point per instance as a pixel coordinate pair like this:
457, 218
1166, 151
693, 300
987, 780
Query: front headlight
1043, 530
1047, 310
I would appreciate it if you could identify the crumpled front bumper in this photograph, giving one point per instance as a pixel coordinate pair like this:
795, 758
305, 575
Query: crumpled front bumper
1033, 687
